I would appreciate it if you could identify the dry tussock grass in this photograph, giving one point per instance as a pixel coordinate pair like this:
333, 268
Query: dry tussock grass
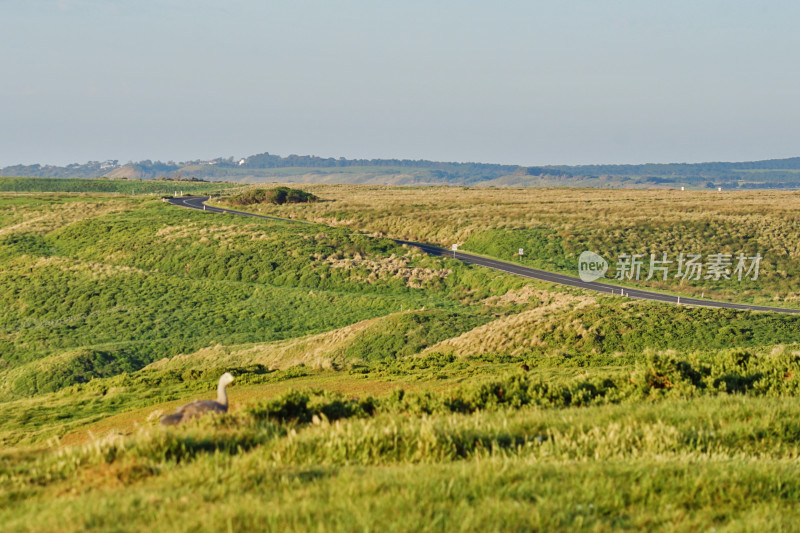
452, 214
56, 216
321, 351
387, 267
608, 221
93, 269
524, 295
224, 234
513, 334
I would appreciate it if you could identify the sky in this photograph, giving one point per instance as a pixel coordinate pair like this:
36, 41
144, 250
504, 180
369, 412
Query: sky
517, 82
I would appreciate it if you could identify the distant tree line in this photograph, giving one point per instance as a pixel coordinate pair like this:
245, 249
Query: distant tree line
438, 170
773, 173
267, 160
681, 169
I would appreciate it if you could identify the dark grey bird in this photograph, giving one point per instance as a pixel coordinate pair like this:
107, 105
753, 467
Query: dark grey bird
202, 407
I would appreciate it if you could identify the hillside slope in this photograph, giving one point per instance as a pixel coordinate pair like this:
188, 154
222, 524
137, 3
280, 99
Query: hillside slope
266, 167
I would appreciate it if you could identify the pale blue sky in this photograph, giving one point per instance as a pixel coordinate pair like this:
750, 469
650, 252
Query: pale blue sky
536, 82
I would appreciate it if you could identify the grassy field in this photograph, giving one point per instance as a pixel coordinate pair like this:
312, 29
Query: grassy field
374, 382
118, 186
554, 226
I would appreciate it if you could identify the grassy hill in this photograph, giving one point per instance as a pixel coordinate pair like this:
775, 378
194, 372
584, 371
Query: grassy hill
144, 280
368, 370
554, 226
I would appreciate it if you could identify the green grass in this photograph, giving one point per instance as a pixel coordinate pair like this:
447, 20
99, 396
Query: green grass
554, 226
100, 185
683, 464
545, 248
372, 382
116, 292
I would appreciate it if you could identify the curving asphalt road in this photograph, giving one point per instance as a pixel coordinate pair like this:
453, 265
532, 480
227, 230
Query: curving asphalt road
198, 202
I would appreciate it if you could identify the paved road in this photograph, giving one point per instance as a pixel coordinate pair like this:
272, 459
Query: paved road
198, 202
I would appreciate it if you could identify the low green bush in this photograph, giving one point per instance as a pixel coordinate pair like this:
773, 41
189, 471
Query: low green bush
277, 196
302, 406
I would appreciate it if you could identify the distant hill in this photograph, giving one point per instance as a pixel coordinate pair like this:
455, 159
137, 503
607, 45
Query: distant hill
266, 167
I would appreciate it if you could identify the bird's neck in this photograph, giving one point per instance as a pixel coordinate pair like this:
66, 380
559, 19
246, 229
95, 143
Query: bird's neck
222, 395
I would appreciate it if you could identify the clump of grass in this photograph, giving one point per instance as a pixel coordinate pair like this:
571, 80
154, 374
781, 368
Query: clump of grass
702, 456
276, 196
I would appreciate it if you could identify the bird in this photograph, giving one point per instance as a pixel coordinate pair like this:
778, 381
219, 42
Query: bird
201, 407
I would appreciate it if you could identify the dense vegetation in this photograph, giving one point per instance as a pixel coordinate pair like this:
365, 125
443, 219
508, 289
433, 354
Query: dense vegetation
374, 382
554, 226
263, 164
112, 293
680, 462
276, 196
769, 174
772, 173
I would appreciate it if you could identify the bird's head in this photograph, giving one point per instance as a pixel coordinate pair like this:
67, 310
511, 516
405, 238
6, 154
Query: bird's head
226, 379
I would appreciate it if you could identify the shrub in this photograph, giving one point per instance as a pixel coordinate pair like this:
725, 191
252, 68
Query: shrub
302, 406
277, 196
